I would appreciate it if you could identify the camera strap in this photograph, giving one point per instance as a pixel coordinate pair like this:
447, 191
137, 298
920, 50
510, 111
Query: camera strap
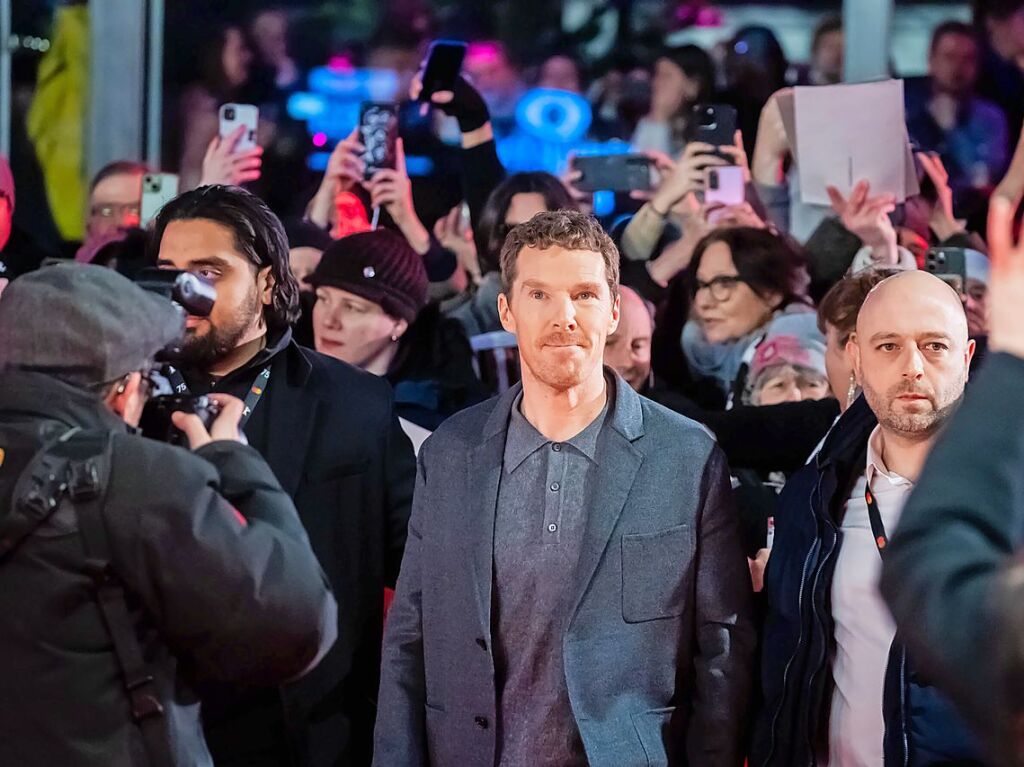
76, 468
875, 518
255, 394
177, 383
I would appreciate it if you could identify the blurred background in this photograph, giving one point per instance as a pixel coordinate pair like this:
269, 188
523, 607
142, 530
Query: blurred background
86, 83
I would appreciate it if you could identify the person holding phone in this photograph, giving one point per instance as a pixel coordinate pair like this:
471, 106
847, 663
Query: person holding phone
683, 77
225, 62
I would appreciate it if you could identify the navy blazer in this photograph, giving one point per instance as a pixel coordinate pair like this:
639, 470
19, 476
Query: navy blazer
658, 650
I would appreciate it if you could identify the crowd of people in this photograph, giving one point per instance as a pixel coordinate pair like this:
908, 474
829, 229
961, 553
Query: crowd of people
487, 479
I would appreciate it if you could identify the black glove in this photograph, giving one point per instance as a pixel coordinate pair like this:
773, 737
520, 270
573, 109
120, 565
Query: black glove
467, 107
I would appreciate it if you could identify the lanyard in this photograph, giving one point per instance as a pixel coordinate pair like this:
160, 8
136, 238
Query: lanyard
255, 394
875, 517
178, 386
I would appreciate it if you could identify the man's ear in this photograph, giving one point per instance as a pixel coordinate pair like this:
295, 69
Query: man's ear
508, 321
125, 399
265, 282
853, 352
972, 347
616, 314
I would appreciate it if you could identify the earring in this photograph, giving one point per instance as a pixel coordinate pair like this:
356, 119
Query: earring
851, 393
394, 338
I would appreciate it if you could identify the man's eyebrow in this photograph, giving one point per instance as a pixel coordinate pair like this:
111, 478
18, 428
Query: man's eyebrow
885, 336
214, 261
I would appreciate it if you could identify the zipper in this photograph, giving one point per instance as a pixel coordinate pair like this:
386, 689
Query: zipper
827, 522
800, 636
903, 707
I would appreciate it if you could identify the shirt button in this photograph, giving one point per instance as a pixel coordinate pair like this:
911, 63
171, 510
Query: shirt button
482, 643
481, 722
552, 527
557, 447
554, 487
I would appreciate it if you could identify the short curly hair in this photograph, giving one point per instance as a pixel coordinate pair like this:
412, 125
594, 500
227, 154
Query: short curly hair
569, 229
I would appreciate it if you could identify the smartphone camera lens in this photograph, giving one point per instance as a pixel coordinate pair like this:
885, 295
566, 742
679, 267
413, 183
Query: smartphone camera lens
713, 180
229, 114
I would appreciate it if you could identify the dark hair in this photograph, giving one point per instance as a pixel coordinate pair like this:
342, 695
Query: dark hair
952, 28
128, 255
828, 24
211, 61
755, 60
995, 9
118, 168
570, 229
841, 305
696, 64
767, 262
258, 235
492, 219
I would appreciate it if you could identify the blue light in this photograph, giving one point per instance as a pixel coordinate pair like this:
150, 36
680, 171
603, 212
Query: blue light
553, 115
306, 106
355, 84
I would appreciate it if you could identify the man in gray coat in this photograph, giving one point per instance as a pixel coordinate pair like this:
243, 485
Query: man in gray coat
573, 590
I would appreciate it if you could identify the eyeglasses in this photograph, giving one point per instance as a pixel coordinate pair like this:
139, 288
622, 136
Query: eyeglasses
115, 210
721, 287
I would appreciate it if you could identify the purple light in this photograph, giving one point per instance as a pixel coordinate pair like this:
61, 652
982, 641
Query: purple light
319, 139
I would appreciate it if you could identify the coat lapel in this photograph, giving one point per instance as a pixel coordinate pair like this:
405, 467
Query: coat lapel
293, 412
618, 461
485, 464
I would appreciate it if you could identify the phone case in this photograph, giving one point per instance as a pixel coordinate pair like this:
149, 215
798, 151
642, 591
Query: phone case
724, 185
713, 124
158, 189
444, 62
615, 173
233, 115
378, 132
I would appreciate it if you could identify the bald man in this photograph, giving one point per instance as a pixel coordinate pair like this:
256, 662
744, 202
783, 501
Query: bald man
838, 686
628, 350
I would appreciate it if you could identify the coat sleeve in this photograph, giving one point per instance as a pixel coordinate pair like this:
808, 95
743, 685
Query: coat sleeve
400, 736
725, 639
223, 563
956, 539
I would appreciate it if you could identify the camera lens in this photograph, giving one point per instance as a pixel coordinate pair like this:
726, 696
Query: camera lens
229, 114
713, 180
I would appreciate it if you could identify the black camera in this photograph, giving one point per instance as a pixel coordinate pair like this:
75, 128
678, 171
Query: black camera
156, 416
195, 297
229, 113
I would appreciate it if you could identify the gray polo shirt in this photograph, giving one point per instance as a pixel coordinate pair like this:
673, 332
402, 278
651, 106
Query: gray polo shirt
538, 532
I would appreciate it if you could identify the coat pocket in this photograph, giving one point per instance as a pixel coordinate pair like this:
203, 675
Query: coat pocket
652, 727
654, 567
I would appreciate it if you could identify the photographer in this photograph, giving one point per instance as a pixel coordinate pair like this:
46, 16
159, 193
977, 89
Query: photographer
331, 436
130, 569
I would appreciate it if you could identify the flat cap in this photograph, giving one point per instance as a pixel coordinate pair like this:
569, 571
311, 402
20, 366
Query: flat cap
83, 324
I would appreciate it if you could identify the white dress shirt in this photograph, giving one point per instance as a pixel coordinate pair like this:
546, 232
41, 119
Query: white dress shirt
864, 629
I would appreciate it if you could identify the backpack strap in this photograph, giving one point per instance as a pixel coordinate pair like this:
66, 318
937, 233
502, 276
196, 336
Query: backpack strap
37, 495
77, 466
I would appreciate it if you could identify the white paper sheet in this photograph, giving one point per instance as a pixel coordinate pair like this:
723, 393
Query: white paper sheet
851, 133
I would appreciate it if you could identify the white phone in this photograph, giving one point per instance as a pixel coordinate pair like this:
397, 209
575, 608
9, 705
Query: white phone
724, 185
158, 189
233, 115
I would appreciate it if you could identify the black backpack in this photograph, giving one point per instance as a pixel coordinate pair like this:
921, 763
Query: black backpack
59, 465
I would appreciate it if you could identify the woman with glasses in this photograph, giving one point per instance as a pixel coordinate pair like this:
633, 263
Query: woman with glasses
747, 284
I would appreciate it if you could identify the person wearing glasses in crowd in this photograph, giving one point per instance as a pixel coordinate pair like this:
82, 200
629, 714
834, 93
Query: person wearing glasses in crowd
749, 284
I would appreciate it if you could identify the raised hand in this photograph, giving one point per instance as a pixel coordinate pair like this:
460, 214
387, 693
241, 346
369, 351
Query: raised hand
868, 218
1006, 281
223, 165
